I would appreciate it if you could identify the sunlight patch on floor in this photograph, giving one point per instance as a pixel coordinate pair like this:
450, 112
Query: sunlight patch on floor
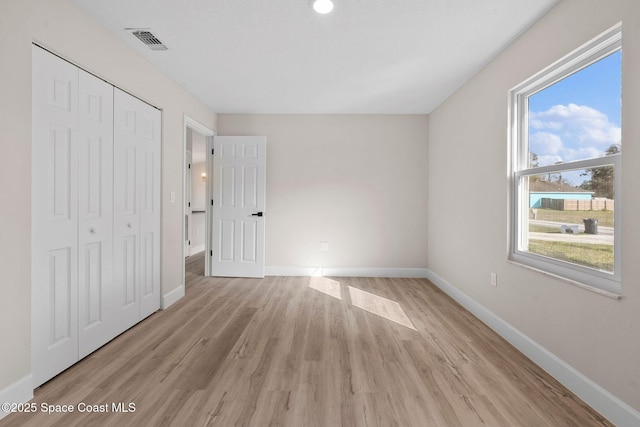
364, 300
326, 286
380, 306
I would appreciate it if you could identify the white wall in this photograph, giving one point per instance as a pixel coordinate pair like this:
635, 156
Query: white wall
63, 28
358, 182
468, 210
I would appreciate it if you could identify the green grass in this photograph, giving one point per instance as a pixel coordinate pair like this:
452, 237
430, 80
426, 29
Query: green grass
543, 229
595, 256
605, 218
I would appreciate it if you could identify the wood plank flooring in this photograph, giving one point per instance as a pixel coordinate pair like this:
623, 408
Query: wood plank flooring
296, 351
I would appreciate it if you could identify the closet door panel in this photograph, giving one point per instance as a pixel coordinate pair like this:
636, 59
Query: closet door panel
54, 215
149, 187
95, 231
126, 204
137, 207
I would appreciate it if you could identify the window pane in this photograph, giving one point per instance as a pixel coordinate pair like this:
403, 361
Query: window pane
578, 117
571, 216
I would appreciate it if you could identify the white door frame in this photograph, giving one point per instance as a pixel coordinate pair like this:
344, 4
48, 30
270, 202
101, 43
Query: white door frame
195, 125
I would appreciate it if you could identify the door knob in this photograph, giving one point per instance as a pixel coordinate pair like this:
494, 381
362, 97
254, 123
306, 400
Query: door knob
257, 214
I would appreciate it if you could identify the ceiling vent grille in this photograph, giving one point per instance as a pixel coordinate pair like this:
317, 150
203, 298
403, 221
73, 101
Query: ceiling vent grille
149, 39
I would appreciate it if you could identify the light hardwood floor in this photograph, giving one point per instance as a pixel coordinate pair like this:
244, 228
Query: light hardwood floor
300, 351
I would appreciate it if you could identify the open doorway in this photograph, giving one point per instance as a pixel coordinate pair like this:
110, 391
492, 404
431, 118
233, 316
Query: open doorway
197, 187
195, 195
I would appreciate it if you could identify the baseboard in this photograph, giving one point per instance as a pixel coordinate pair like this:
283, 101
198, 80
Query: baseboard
20, 391
608, 405
346, 272
196, 249
172, 297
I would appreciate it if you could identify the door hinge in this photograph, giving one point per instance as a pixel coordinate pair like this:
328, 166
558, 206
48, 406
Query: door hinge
212, 151
211, 253
189, 242
189, 165
211, 202
189, 204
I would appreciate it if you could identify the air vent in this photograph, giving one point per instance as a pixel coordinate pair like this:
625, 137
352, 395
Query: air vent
149, 39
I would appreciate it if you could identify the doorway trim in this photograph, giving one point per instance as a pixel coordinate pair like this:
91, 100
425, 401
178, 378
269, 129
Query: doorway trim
194, 125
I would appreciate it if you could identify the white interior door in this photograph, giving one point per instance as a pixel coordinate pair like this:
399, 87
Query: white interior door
54, 278
239, 186
95, 214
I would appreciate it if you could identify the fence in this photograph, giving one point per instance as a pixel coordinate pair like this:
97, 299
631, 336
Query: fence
578, 205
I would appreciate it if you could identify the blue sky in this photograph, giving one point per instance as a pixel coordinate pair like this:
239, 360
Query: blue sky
579, 116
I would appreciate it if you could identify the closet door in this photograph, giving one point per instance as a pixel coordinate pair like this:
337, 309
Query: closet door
95, 213
136, 209
54, 215
149, 184
95, 231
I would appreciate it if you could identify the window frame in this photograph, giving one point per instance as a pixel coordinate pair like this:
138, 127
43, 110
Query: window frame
601, 46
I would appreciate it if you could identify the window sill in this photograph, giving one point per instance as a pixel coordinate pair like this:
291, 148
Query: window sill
599, 291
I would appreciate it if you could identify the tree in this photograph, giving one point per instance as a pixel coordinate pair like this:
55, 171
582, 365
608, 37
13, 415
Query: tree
557, 177
533, 163
601, 182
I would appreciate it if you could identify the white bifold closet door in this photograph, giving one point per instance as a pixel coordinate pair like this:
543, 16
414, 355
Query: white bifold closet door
95, 214
54, 216
136, 209
95, 265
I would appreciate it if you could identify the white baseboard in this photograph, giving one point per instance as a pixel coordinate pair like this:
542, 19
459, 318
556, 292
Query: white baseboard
608, 405
172, 297
20, 391
196, 249
346, 272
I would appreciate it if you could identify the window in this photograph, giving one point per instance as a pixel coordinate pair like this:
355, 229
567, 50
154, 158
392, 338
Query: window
566, 151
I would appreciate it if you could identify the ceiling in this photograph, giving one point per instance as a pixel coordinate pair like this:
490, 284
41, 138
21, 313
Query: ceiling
279, 56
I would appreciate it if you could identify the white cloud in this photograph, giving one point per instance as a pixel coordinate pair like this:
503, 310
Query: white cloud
565, 133
548, 143
540, 124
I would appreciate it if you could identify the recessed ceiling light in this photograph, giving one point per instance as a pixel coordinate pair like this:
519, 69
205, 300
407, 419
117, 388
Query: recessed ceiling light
323, 6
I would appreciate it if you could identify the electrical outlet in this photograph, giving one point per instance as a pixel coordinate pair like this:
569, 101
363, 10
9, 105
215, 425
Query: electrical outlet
324, 246
494, 279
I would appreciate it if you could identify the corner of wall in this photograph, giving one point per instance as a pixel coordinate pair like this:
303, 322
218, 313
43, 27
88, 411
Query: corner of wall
172, 297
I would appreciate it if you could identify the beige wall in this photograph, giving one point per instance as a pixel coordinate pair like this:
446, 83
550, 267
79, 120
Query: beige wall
64, 29
468, 154
357, 182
